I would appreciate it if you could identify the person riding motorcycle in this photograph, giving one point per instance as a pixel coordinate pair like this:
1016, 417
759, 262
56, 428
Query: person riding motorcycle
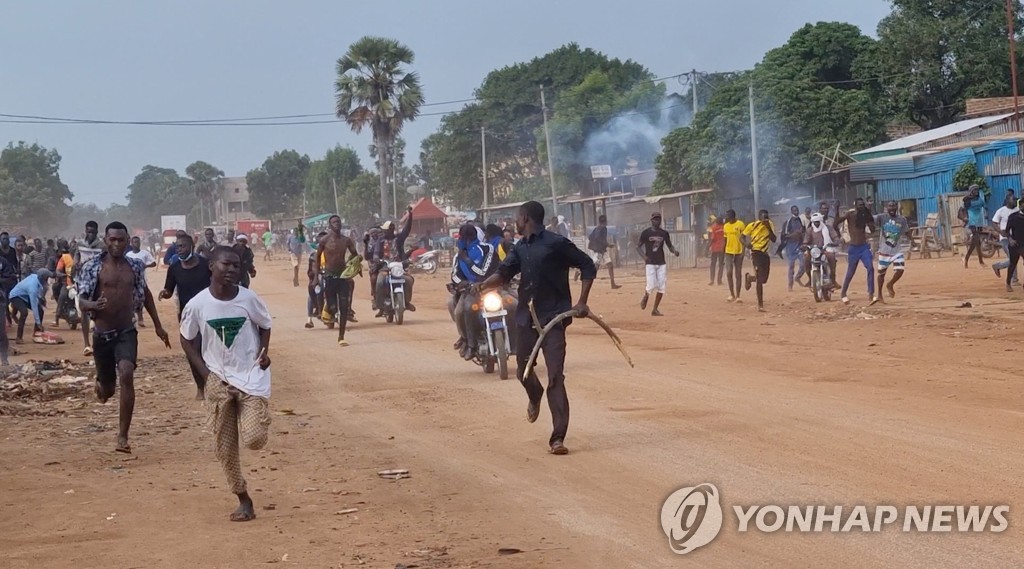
476, 261
384, 246
825, 236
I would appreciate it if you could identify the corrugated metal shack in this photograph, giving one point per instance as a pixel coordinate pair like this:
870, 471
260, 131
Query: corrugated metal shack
918, 171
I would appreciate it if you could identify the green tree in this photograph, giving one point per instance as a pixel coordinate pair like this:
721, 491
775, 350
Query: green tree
374, 90
204, 179
360, 201
277, 186
509, 108
158, 191
31, 191
339, 166
809, 98
932, 55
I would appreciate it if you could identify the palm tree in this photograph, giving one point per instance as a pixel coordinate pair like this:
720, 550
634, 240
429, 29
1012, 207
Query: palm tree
374, 90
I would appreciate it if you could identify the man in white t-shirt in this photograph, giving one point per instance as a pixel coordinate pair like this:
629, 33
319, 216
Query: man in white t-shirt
999, 223
225, 332
148, 261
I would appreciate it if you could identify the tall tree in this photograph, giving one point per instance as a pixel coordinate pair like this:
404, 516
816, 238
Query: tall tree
359, 202
338, 167
932, 55
205, 179
808, 98
277, 186
158, 191
31, 191
509, 108
374, 90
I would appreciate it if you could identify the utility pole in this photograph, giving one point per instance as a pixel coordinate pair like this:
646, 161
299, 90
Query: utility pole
693, 84
1011, 33
483, 167
753, 150
394, 192
551, 162
336, 206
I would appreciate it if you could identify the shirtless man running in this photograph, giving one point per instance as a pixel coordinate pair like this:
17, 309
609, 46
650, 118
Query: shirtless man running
113, 287
857, 219
338, 249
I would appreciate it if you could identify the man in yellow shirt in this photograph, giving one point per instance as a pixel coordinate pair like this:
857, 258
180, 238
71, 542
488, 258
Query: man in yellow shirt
733, 229
759, 234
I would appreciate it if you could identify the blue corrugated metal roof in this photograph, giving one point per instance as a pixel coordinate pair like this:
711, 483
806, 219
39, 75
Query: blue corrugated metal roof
914, 140
884, 168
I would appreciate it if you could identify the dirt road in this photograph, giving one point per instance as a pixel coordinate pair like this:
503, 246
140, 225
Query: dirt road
916, 402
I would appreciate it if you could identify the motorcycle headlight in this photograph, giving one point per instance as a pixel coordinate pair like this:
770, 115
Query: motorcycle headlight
815, 253
396, 269
492, 302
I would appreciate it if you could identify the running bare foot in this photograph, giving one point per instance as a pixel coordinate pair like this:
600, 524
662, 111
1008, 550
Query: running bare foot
200, 396
643, 301
996, 270
748, 280
891, 290
656, 313
246, 512
99, 393
616, 286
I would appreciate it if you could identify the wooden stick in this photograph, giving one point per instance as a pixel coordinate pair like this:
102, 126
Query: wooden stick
556, 321
536, 319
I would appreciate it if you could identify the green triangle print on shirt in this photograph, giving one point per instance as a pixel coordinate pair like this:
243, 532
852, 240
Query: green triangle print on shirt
227, 328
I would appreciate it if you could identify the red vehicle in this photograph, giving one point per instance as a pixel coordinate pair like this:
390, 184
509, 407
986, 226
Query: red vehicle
254, 228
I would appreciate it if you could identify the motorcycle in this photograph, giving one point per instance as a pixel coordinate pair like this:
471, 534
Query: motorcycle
821, 274
423, 261
393, 303
68, 309
494, 345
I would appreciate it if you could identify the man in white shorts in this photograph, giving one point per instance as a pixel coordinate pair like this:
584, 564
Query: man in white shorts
651, 247
892, 228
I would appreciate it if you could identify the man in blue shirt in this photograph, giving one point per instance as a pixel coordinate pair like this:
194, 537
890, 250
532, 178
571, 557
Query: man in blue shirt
475, 262
975, 206
28, 295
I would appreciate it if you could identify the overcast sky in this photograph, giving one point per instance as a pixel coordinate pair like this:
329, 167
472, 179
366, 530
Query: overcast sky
210, 59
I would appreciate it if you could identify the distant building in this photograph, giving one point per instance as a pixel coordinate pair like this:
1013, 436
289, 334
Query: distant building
233, 200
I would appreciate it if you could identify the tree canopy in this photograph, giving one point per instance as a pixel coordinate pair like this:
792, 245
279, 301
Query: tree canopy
375, 90
339, 166
31, 191
932, 55
159, 191
808, 98
278, 185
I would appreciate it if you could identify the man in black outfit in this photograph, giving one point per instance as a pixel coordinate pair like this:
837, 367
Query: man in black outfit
543, 259
189, 276
1015, 234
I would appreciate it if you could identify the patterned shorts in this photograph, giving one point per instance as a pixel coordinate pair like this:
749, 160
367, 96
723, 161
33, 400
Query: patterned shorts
897, 262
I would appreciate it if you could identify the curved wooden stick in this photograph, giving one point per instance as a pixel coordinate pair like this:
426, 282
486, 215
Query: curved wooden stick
557, 320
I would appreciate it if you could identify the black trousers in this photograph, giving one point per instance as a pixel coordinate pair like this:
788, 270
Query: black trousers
717, 261
554, 358
1015, 254
338, 298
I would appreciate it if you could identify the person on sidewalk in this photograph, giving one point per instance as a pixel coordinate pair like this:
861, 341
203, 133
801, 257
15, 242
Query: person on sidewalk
225, 332
651, 247
543, 259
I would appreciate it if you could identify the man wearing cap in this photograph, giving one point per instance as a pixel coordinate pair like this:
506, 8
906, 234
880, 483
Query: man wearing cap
245, 254
651, 247
28, 295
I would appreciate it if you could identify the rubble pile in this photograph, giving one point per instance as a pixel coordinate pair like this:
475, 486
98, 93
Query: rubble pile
23, 386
